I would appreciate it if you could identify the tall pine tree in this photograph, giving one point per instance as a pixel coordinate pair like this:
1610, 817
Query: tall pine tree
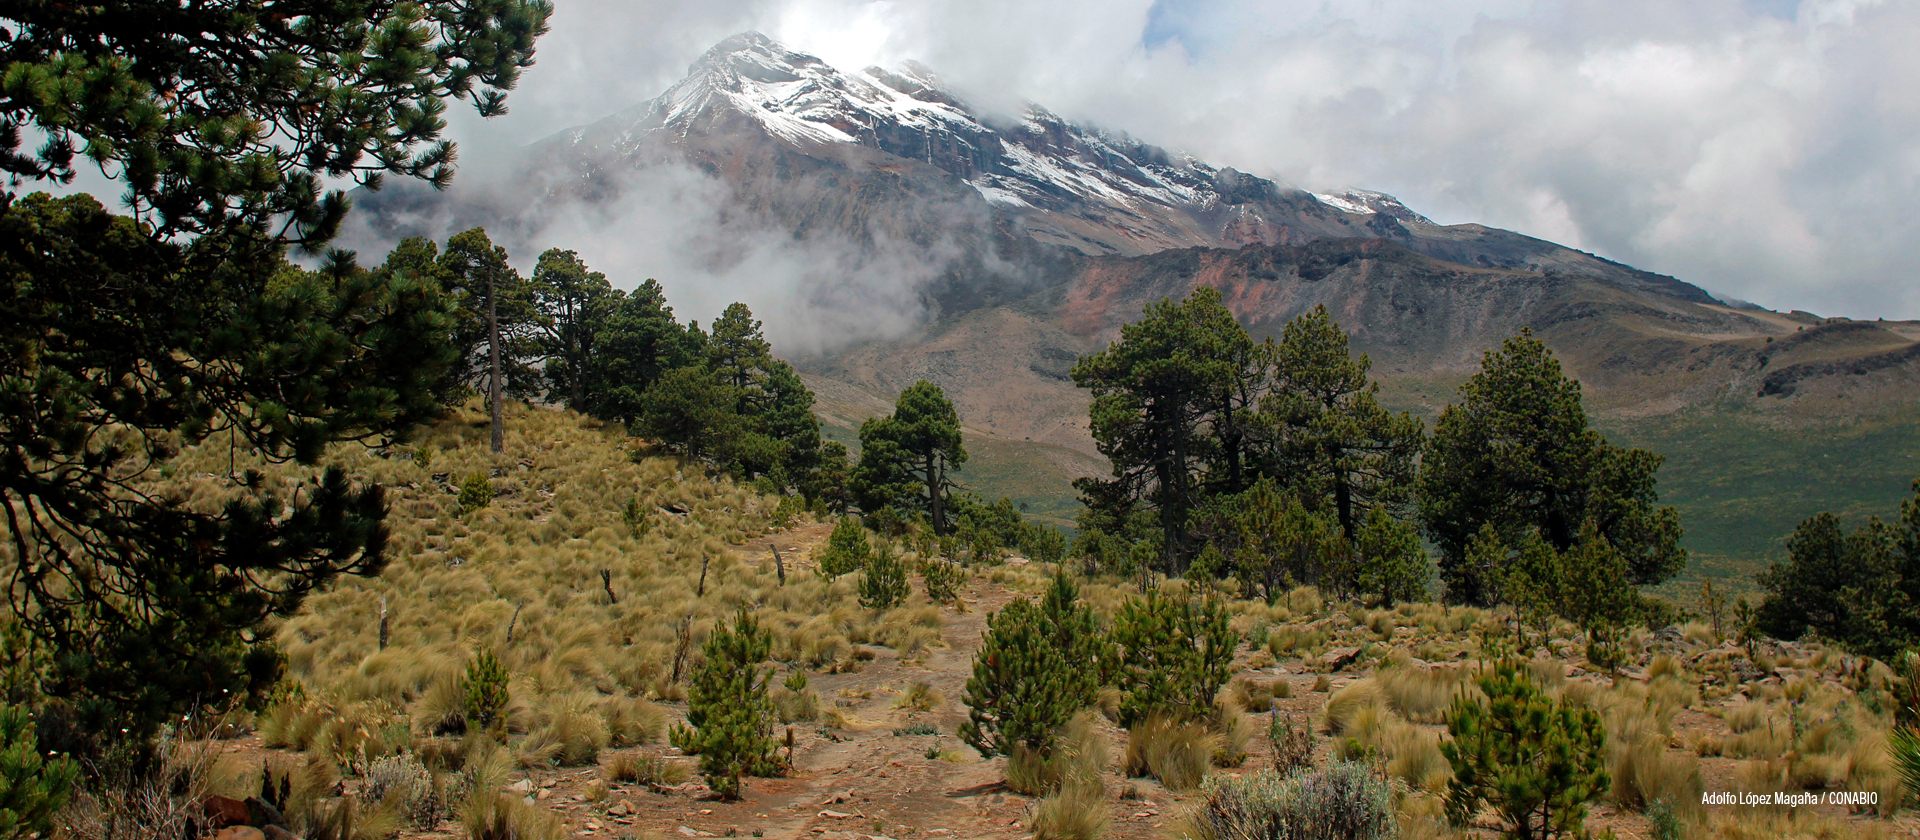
1516, 453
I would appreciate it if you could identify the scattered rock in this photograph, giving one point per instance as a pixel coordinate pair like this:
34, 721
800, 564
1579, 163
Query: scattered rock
620, 809
545, 793
221, 811
522, 786
837, 798
837, 815
1340, 657
240, 832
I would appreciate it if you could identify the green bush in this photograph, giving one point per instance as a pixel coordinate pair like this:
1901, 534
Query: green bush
1536, 761
847, 549
476, 492
1178, 652
1036, 667
484, 690
941, 579
1343, 801
730, 710
884, 585
32, 789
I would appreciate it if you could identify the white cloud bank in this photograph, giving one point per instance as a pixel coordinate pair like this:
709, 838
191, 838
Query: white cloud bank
1764, 150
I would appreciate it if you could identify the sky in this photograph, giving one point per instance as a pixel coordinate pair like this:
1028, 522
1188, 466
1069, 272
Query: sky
1767, 150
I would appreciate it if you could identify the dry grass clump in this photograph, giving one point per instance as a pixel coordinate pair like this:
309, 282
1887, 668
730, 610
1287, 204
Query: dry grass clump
574, 733
1343, 705
1803, 824
920, 696
1422, 694
1074, 812
1075, 807
1255, 695
1644, 771
1366, 728
1744, 716
1178, 754
648, 767
1079, 757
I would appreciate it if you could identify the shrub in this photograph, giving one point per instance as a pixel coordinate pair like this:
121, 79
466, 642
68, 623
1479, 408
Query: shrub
1344, 801
1037, 666
1178, 654
401, 783
476, 492
32, 789
847, 549
1292, 742
1536, 761
484, 693
884, 585
729, 709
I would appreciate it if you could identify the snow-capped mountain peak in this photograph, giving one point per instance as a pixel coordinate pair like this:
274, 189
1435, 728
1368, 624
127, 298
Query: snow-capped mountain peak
1073, 185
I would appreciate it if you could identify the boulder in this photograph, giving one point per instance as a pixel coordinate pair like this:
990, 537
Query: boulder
275, 832
261, 813
221, 812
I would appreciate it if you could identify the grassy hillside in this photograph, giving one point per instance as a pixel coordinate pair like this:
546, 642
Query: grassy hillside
1741, 486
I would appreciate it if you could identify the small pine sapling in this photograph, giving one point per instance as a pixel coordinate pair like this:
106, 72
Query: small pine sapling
1178, 654
475, 493
1536, 761
484, 692
1037, 666
884, 585
32, 789
847, 549
730, 709
941, 579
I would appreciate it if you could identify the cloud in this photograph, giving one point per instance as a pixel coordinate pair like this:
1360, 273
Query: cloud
1764, 149
682, 226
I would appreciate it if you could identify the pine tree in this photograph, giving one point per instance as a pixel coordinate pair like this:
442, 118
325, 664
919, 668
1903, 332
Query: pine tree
1393, 563
1861, 589
1536, 761
907, 459
32, 789
1155, 393
573, 302
847, 549
497, 305
1037, 666
884, 585
637, 344
1333, 440
1176, 653
729, 708
186, 321
1516, 453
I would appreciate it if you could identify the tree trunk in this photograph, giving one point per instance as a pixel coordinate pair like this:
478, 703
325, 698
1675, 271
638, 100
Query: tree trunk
493, 362
933, 493
1343, 505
